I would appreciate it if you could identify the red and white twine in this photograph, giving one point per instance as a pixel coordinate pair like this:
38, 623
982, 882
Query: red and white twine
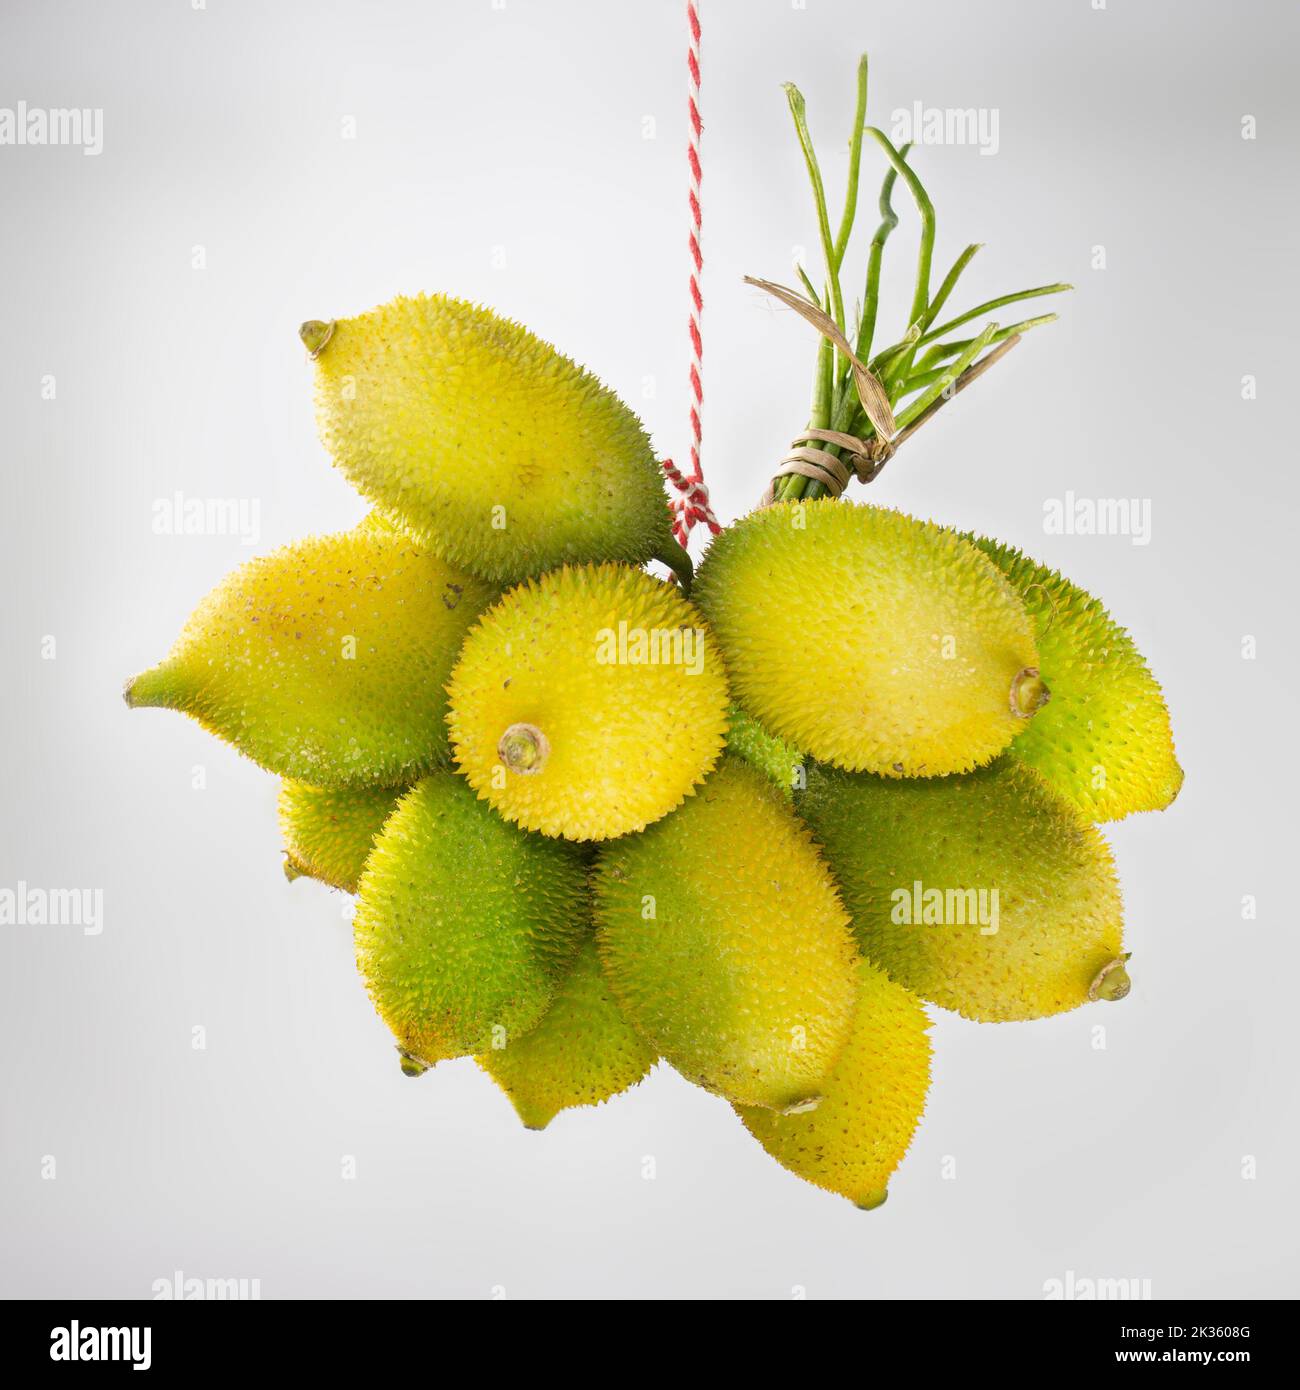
693, 505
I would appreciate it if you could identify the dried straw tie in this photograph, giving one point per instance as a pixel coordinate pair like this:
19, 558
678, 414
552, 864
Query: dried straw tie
861, 458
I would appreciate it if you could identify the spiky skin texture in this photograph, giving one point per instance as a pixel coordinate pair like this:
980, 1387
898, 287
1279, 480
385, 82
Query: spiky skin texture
325, 661
1104, 741
500, 454
627, 739
465, 926
582, 1052
773, 757
736, 963
866, 638
1059, 917
376, 521
329, 832
872, 1099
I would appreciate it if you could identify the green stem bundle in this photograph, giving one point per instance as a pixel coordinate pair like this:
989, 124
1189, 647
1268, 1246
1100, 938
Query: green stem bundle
912, 383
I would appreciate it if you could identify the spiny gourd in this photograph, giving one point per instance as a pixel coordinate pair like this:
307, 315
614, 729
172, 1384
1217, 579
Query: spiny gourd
500, 454
872, 1099
330, 831
325, 661
1104, 742
986, 894
869, 639
726, 943
582, 1052
465, 926
588, 703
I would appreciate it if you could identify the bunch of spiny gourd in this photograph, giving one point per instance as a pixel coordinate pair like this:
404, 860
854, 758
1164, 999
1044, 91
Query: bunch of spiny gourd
569, 799
744, 823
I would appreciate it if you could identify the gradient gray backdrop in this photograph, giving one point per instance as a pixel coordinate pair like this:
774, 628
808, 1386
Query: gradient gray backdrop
500, 152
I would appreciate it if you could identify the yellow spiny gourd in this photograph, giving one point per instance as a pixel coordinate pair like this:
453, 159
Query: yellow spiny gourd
1104, 742
330, 831
465, 926
325, 661
588, 703
871, 1103
986, 894
493, 449
869, 639
726, 943
582, 1052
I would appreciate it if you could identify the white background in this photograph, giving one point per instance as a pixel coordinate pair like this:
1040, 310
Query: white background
517, 134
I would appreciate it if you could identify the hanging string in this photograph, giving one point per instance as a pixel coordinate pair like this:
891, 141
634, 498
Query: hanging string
692, 507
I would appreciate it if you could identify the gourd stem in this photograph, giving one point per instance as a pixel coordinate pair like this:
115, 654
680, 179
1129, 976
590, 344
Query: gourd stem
921, 382
679, 561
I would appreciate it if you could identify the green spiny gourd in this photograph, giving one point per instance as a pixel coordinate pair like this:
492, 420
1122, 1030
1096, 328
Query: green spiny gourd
582, 1052
588, 703
1104, 742
869, 639
871, 1103
489, 446
329, 831
726, 943
465, 925
325, 661
986, 894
